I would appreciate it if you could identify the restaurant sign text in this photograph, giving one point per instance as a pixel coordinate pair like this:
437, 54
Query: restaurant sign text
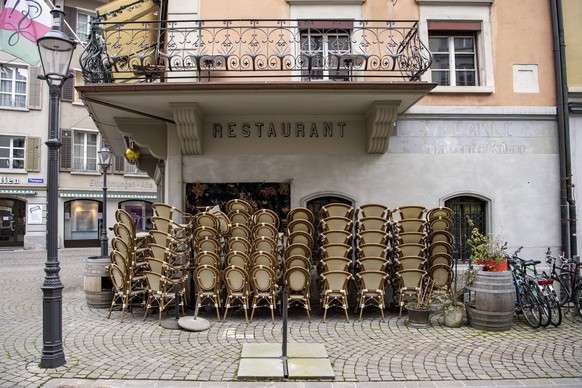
279, 129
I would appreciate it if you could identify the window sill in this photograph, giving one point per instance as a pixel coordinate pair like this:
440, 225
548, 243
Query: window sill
86, 173
463, 90
325, 2
13, 171
15, 108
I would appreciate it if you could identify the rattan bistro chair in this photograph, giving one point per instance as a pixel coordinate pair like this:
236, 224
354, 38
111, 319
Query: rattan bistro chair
410, 283
334, 291
161, 291
373, 210
371, 286
300, 213
298, 281
236, 281
265, 289
207, 281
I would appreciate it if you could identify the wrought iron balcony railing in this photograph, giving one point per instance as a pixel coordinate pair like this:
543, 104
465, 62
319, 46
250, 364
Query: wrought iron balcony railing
222, 50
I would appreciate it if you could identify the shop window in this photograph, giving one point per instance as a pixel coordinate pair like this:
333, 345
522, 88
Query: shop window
322, 46
82, 223
141, 212
466, 208
13, 86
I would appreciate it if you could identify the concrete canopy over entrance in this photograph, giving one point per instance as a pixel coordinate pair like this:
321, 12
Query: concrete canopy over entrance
144, 111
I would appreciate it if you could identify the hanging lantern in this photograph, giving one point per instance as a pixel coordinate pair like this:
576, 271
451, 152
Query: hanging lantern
132, 153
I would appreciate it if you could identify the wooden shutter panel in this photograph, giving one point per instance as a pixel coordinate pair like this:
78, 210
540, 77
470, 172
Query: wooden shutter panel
32, 154
71, 21
34, 88
66, 149
68, 90
119, 165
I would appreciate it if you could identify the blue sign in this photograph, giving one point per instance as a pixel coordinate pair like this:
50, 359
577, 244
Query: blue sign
35, 180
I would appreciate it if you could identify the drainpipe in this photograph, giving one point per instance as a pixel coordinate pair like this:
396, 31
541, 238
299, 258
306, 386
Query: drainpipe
567, 202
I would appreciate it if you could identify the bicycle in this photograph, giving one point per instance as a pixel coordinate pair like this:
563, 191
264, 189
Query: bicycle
569, 279
544, 287
526, 303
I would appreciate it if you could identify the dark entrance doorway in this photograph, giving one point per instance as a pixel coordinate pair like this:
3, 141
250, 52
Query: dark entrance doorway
12, 222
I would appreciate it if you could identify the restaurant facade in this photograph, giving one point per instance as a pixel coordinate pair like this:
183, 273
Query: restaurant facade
300, 103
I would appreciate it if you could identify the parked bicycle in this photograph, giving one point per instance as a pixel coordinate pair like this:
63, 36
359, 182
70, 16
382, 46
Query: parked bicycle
545, 290
526, 303
567, 273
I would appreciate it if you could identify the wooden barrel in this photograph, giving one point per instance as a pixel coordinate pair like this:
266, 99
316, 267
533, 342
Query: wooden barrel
97, 284
494, 301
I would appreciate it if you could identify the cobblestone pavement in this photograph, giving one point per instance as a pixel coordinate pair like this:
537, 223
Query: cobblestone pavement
142, 353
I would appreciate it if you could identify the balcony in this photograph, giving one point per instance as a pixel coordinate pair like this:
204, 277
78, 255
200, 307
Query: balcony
254, 50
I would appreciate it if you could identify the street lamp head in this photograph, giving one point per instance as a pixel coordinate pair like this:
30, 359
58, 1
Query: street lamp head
104, 157
56, 51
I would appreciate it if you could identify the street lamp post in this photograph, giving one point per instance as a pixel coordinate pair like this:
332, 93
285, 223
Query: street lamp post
104, 162
56, 51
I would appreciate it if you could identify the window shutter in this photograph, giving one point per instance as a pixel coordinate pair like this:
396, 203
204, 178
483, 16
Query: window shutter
119, 165
34, 88
32, 154
68, 90
71, 21
66, 149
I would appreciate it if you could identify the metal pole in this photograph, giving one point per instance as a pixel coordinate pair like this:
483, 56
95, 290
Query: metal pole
103, 238
53, 354
285, 317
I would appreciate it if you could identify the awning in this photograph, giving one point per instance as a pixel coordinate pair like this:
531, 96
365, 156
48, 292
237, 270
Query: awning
109, 195
17, 191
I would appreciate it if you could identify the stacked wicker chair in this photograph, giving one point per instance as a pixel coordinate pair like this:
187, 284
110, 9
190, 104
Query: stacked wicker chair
372, 264
127, 265
297, 257
440, 248
335, 265
409, 254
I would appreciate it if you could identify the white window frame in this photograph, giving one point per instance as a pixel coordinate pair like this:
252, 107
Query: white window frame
84, 33
132, 169
467, 11
452, 55
84, 162
326, 54
11, 158
13, 81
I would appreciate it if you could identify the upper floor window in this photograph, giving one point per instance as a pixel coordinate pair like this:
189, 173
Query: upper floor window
12, 152
13, 86
454, 59
322, 45
83, 26
85, 151
133, 169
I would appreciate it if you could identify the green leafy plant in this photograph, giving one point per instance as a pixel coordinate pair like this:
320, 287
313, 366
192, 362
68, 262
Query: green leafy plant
485, 250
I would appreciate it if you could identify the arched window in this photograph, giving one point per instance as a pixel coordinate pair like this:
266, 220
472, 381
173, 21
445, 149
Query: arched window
465, 208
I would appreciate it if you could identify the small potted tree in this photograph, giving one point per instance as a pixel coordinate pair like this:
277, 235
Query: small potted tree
487, 251
419, 311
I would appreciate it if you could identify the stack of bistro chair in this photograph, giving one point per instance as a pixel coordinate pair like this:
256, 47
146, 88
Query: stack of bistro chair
335, 264
409, 251
166, 277
440, 248
373, 230
127, 278
297, 258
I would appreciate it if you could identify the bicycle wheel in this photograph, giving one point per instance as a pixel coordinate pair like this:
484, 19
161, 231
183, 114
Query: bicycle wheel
565, 280
578, 299
530, 308
552, 296
543, 302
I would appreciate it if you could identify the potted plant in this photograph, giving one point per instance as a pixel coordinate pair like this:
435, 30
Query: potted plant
450, 301
419, 311
487, 251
